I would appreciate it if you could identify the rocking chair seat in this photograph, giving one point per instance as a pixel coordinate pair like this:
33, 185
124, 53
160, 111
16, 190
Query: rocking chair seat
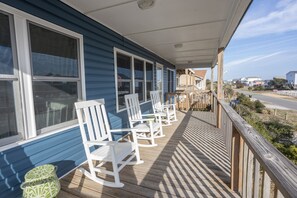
122, 150
145, 127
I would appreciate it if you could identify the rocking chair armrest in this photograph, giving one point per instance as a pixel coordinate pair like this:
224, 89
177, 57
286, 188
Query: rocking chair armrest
168, 105
143, 120
101, 143
150, 114
121, 130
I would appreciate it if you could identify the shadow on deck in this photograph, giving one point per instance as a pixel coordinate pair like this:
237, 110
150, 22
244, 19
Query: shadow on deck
191, 161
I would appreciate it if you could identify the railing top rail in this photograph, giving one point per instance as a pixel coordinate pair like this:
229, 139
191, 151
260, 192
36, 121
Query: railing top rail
281, 170
214, 94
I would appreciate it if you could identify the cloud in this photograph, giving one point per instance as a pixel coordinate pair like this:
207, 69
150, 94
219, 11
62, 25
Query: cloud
283, 3
282, 19
267, 56
252, 59
241, 61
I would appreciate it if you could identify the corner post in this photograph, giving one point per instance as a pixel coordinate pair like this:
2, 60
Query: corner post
220, 93
211, 89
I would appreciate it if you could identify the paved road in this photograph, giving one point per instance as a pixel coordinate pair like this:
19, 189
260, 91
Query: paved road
276, 101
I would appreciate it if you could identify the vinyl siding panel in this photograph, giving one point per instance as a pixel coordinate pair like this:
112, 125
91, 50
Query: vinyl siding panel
64, 149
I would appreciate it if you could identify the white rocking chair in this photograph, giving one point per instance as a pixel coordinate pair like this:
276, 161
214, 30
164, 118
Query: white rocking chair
147, 126
98, 144
167, 112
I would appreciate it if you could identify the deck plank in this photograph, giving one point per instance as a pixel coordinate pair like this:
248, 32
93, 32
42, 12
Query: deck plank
190, 161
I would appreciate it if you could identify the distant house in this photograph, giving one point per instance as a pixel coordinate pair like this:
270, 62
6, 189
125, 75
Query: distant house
292, 78
185, 77
266, 83
252, 81
200, 79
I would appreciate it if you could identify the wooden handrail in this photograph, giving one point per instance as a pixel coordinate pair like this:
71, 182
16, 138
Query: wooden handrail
277, 167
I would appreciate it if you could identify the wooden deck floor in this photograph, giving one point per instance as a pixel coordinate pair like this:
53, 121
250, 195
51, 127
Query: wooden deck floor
191, 161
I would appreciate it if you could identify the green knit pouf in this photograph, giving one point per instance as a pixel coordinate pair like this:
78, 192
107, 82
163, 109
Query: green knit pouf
41, 182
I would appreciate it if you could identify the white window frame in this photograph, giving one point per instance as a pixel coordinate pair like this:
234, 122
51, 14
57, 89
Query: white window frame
132, 56
162, 77
16, 85
21, 20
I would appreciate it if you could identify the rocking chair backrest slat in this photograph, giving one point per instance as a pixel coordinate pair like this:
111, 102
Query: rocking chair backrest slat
88, 120
133, 108
104, 128
95, 122
156, 102
93, 114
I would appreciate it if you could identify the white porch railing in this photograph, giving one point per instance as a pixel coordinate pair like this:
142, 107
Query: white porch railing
258, 169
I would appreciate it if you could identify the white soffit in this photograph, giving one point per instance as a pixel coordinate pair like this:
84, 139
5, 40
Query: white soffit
201, 26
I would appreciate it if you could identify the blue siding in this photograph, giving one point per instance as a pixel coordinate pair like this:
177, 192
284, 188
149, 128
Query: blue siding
65, 149
62, 149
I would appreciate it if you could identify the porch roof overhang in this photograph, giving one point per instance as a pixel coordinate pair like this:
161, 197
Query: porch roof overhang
186, 33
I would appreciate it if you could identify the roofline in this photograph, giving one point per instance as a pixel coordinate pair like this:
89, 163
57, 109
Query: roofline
239, 23
214, 63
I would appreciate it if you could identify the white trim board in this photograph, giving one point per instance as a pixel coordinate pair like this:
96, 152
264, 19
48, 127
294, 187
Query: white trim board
117, 50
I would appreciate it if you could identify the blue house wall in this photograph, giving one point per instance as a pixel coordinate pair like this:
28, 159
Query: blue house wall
65, 148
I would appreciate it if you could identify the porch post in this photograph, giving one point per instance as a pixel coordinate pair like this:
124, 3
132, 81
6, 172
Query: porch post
192, 81
211, 89
220, 93
211, 79
186, 71
220, 73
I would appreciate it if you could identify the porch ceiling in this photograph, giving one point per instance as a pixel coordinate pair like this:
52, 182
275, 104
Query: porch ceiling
201, 26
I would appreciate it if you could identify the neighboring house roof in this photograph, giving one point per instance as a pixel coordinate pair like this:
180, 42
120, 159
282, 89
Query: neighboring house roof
200, 73
291, 72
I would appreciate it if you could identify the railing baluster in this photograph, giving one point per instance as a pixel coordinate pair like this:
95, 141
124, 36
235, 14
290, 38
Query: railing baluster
240, 166
249, 182
235, 160
244, 176
266, 185
256, 178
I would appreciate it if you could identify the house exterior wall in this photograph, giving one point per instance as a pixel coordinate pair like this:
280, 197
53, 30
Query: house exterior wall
292, 78
201, 84
183, 80
250, 81
65, 148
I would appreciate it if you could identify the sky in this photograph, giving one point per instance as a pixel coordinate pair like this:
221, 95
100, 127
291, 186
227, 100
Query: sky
265, 43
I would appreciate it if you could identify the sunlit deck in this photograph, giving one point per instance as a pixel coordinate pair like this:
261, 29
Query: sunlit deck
191, 161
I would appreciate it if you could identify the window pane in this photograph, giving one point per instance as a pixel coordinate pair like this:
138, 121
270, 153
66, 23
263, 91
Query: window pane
6, 58
124, 67
139, 69
54, 102
149, 87
149, 71
170, 76
8, 125
159, 79
53, 54
172, 81
124, 88
169, 81
139, 90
